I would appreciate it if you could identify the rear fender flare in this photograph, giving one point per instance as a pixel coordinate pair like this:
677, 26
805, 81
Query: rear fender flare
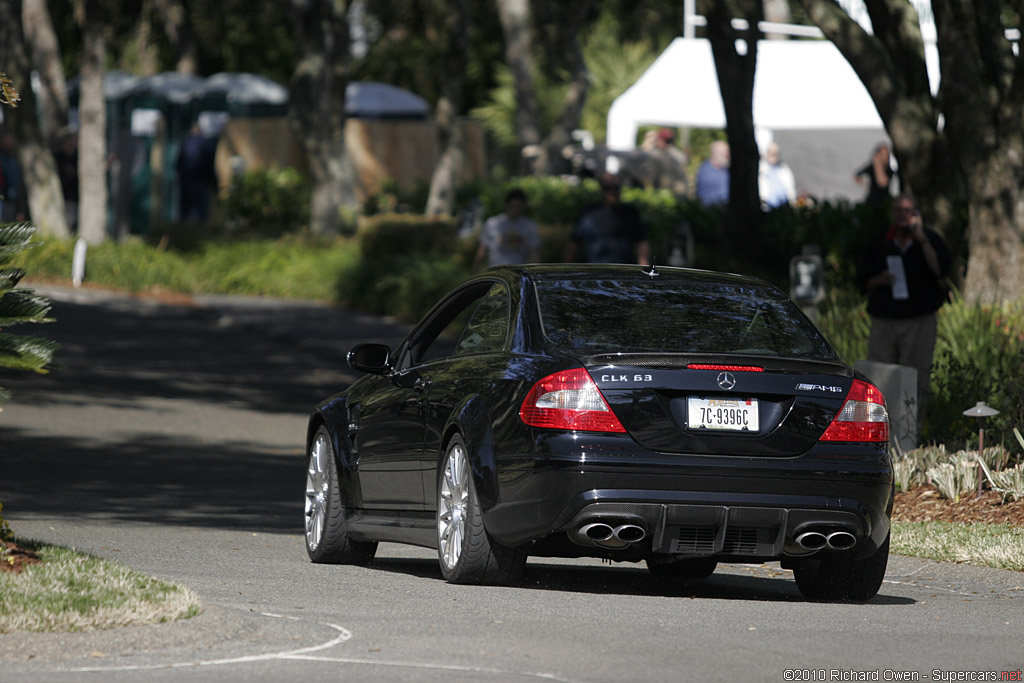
472, 419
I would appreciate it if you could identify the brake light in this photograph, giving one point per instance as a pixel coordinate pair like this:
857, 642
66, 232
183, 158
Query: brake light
731, 368
569, 400
862, 418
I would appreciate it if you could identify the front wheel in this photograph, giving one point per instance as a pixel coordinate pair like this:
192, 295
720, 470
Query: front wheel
465, 551
327, 537
837, 576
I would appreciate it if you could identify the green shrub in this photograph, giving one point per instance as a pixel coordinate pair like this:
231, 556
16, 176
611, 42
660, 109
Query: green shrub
843, 319
394, 198
406, 263
268, 203
297, 267
5, 529
977, 358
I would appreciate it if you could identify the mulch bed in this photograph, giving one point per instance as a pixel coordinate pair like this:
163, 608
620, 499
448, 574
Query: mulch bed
17, 559
924, 504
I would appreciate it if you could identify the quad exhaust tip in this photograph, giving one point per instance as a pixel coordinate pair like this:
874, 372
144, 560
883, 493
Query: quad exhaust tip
605, 535
834, 540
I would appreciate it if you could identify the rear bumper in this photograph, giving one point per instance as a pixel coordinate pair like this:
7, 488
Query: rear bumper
743, 508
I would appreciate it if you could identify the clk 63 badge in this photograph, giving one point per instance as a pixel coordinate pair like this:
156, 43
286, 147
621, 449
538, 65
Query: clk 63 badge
626, 378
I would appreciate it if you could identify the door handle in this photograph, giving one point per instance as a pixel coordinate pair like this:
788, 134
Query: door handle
421, 384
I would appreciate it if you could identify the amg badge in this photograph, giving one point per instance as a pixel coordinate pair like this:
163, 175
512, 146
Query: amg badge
818, 387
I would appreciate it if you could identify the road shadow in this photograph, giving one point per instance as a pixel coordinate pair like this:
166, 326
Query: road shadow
115, 355
155, 479
101, 442
732, 582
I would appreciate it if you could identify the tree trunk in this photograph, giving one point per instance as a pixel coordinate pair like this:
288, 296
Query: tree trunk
92, 117
42, 184
979, 152
441, 200
568, 45
316, 106
777, 12
175, 20
891, 66
515, 26
736, 82
995, 268
147, 59
45, 49
984, 106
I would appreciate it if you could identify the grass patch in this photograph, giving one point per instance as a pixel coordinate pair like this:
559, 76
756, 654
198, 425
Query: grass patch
71, 591
290, 267
986, 545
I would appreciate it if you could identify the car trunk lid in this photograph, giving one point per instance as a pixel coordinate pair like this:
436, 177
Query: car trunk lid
735, 405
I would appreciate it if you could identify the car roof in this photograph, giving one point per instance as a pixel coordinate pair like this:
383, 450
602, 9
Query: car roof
591, 271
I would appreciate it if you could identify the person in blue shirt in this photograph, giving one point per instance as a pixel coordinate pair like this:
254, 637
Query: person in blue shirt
713, 175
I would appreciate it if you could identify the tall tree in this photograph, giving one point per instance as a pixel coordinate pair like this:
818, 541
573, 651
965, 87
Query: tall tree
442, 184
965, 141
175, 19
42, 184
45, 51
516, 27
736, 82
92, 125
561, 24
316, 105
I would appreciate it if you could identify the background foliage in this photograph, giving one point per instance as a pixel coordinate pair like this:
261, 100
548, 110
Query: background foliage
399, 263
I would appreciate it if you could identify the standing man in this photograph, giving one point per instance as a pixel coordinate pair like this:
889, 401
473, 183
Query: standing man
902, 276
509, 237
609, 232
775, 182
197, 176
713, 175
671, 163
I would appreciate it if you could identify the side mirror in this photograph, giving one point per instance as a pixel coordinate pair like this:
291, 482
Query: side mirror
372, 358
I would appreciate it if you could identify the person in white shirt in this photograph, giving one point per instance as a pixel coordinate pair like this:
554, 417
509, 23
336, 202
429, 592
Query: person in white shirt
509, 237
775, 181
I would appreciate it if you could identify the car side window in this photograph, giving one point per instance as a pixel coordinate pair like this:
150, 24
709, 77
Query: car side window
488, 327
441, 336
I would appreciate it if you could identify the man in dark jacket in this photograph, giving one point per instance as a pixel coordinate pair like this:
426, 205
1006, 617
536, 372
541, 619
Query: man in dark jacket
903, 278
609, 232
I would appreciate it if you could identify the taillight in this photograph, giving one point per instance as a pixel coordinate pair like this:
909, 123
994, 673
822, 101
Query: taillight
862, 418
569, 400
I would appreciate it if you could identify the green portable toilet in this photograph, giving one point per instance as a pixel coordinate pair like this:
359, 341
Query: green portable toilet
152, 117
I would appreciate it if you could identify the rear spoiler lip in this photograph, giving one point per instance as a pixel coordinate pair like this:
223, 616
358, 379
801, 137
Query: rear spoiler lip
678, 361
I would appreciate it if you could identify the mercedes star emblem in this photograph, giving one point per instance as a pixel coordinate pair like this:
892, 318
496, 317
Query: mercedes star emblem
726, 380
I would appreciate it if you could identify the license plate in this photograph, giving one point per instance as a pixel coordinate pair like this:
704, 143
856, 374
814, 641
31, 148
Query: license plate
726, 414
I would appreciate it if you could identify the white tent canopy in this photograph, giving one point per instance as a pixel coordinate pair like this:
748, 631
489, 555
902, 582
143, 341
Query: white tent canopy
806, 96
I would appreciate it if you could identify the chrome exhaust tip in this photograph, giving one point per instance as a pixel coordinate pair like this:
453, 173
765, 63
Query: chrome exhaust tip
597, 531
812, 540
630, 533
841, 540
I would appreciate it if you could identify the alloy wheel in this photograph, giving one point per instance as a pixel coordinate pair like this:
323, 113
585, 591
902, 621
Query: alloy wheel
452, 506
316, 492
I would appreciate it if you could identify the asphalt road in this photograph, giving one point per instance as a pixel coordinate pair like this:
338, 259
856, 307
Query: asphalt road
172, 441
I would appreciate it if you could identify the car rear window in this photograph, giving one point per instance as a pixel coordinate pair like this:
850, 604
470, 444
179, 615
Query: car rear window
676, 316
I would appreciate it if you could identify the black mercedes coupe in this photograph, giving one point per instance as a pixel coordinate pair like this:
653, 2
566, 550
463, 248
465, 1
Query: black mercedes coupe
676, 417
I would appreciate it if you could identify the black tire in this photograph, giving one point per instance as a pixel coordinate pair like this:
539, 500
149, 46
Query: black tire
327, 537
837, 576
698, 568
465, 551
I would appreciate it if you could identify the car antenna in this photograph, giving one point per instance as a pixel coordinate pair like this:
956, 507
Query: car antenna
653, 272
